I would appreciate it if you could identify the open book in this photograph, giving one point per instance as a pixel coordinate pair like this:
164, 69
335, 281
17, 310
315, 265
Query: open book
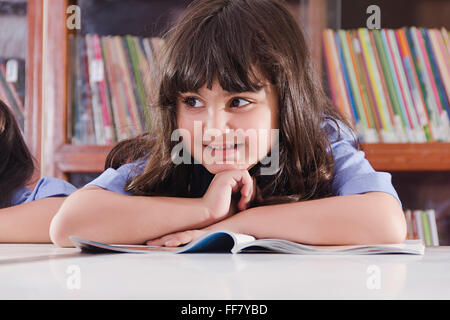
228, 242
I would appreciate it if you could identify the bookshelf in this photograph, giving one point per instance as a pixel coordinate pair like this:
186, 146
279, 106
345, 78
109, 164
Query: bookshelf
62, 158
48, 61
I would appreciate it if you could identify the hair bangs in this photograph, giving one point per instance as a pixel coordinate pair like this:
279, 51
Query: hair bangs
213, 52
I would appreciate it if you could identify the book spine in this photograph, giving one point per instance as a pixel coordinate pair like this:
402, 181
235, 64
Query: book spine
71, 81
432, 112
345, 105
106, 112
367, 88
394, 119
409, 227
418, 220
418, 111
426, 229
96, 107
372, 130
400, 121
128, 91
354, 113
443, 63
110, 71
139, 91
87, 116
414, 226
433, 227
375, 81
397, 86
147, 86
435, 113
435, 71
403, 84
351, 70
329, 64
429, 69
122, 107
132, 90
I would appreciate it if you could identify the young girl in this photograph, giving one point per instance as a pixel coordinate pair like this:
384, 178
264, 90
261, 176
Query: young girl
231, 65
22, 219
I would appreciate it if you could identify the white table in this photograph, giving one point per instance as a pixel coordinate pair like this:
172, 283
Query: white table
40, 271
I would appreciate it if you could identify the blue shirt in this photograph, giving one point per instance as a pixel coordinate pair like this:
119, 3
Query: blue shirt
353, 173
45, 188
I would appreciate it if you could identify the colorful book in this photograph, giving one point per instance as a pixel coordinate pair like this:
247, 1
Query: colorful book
365, 84
401, 125
393, 84
426, 229
433, 227
375, 81
423, 134
419, 225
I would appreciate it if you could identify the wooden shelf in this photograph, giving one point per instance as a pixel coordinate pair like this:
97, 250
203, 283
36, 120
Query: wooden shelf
74, 158
408, 156
382, 156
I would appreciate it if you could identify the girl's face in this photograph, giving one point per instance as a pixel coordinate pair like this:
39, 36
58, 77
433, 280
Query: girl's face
225, 131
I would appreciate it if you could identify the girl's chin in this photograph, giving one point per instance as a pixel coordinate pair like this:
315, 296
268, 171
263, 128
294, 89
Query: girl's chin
217, 168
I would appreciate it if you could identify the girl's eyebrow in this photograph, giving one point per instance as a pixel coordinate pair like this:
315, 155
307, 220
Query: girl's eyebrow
228, 94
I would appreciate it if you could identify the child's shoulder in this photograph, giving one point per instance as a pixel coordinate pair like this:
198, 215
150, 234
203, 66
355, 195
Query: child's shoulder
115, 179
337, 130
46, 187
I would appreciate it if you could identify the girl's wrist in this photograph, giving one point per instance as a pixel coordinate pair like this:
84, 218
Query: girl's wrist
209, 217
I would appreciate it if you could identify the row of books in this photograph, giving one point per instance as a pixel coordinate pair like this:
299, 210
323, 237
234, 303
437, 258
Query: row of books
110, 80
12, 87
393, 84
421, 225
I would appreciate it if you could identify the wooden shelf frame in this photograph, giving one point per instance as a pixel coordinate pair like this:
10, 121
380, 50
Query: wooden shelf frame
47, 97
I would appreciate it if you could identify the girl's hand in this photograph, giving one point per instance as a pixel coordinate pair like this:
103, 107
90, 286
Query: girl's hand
218, 197
176, 239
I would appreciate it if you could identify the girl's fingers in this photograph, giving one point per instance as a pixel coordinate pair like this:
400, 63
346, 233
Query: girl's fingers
175, 239
246, 191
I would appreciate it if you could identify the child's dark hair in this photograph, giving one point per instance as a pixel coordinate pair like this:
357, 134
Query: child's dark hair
242, 43
16, 161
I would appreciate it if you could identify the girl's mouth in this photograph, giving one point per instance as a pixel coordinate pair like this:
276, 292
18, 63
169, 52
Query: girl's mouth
223, 150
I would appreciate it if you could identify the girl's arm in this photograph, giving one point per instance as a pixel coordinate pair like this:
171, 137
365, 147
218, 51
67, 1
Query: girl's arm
28, 222
106, 216
101, 215
374, 217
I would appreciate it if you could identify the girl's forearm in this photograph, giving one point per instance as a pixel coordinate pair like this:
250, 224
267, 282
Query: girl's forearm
28, 222
344, 220
104, 216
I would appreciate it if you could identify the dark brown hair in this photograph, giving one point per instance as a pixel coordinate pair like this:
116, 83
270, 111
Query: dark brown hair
16, 161
243, 43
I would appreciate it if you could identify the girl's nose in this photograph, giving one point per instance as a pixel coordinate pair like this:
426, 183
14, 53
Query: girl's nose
218, 119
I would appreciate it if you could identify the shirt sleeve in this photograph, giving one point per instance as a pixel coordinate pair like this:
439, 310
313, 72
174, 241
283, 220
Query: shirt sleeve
115, 179
353, 173
45, 188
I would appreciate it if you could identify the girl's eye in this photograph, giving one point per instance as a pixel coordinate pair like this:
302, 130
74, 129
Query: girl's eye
234, 105
190, 101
